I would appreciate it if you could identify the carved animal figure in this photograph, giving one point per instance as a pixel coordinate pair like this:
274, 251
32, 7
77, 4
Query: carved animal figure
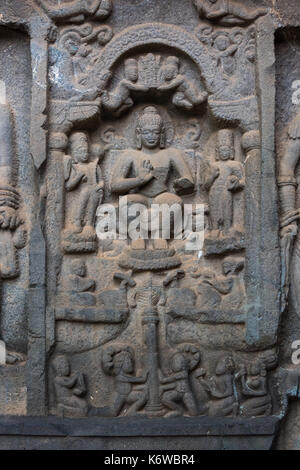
228, 12
77, 10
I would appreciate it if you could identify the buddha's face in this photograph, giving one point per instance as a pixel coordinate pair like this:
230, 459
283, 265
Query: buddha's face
151, 135
80, 148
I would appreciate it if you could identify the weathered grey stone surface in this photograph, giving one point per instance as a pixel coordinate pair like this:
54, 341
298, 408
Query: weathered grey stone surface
156, 342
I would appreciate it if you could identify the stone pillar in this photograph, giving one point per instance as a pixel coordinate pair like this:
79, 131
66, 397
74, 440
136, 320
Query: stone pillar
150, 322
251, 145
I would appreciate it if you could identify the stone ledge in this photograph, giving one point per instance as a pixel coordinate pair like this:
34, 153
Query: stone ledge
111, 427
130, 434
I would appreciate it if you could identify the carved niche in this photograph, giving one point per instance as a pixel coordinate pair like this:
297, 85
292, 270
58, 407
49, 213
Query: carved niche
154, 114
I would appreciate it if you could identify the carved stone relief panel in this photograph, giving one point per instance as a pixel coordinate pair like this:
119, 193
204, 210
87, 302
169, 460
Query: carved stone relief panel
154, 113
139, 212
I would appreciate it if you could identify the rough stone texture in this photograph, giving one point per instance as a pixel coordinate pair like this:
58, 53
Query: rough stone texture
149, 343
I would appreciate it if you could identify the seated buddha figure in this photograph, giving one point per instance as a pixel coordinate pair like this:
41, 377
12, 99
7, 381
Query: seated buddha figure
144, 175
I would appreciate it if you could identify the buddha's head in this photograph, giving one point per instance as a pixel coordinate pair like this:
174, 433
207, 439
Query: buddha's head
79, 147
225, 145
131, 70
150, 130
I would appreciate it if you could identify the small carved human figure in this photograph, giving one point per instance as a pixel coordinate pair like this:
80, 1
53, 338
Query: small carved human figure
77, 10
211, 290
222, 180
118, 361
70, 389
186, 94
84, 178
178, 395
81, 60
80, 79
232, 268
228, 12
120, 100
143, 174
226, 51
254, 388
81, 287
221, 389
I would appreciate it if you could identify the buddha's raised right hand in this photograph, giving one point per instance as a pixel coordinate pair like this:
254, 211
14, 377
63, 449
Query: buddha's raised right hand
146, 171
